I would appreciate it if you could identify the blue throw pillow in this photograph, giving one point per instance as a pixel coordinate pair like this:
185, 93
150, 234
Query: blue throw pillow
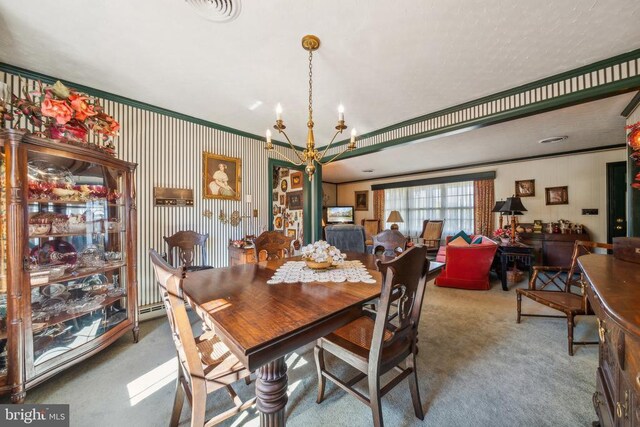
477, 240
464, 235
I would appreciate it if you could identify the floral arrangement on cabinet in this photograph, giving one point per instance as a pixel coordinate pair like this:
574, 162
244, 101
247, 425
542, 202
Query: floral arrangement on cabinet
66, 115
501, 234
633, 137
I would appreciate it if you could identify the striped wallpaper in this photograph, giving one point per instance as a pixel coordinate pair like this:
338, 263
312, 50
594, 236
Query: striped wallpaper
168, 152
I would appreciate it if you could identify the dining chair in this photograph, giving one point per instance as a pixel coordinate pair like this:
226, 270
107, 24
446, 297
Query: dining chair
346, 237
564, 300
389, 242
374, 346
371, 228
272, 245
432, 234
183, 250
205, 364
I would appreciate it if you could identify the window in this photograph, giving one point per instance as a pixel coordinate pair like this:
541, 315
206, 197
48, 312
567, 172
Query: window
452, 202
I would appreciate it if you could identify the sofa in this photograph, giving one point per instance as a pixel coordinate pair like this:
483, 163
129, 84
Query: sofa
467, 267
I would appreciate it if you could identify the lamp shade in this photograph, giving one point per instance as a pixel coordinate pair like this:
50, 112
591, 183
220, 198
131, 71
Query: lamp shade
395, 216
513, 204
498, 206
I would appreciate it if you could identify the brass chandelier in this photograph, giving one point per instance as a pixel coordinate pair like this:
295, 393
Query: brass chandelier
310, 155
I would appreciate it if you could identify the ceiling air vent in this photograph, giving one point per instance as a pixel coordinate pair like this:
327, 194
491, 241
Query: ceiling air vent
553, 140
217, 10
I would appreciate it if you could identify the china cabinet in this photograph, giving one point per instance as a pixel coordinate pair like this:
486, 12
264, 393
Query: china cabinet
67, 256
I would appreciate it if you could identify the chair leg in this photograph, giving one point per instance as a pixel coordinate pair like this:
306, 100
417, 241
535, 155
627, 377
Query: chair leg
319, 356
519, 310
178, 401
374, 400
198, 403
413, 387
570, 333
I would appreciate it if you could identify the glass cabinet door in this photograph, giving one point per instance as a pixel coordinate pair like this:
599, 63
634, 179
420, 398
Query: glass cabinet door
76, 260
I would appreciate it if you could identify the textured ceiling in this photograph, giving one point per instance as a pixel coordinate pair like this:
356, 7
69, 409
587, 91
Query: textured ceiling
385, 61
595, 124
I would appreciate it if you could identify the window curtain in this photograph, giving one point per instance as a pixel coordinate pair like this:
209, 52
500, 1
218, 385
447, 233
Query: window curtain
452, 202
378, 206
484, 200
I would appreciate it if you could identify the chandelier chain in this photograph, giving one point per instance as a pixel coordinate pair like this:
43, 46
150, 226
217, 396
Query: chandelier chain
310, 85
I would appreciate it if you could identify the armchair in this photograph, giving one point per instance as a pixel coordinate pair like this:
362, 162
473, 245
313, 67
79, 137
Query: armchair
432, 234
467, 267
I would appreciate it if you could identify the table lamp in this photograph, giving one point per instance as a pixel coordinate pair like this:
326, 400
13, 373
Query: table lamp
395, 217
497, 208
513, 206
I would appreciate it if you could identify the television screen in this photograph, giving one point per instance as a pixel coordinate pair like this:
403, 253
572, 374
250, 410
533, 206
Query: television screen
340, 215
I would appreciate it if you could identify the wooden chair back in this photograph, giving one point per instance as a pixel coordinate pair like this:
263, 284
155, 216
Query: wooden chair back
432, 233
272, 245
170, 284
404, 281
371, 228
389, 242
183, 249
581, 247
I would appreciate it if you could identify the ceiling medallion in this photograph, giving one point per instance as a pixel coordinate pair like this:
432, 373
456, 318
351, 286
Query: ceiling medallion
310, 155
217, 10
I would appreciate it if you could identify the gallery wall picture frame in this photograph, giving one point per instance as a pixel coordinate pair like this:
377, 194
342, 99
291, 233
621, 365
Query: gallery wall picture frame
362, 200
291, 232
294, 200
282, 200
221, 176
526, 188
557, 195
284, 185
296, 179
284, 172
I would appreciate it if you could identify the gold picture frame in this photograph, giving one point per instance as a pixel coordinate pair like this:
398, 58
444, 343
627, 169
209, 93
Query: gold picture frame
221, 177
557, 195
526, 188
362, 200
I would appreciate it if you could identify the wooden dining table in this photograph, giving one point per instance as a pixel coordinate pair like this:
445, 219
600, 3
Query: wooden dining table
262, 323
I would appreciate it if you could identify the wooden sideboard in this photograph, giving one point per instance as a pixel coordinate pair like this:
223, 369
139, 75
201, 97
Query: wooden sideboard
552, 249
614, 294
239, 256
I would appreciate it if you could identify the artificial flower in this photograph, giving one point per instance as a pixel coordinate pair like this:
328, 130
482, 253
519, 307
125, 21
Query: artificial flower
57, 109
60, 90
81, 107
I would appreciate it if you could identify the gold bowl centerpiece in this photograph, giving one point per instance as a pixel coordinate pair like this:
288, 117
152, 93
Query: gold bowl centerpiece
321, 255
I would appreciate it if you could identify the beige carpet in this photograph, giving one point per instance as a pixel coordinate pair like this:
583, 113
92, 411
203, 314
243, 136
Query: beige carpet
477, 367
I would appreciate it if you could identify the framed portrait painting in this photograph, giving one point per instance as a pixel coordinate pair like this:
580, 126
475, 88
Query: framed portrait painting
362, 200
221, 176
291, 232
526, 188
557, 195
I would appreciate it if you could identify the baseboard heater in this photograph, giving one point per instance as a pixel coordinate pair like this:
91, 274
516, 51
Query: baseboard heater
151, 311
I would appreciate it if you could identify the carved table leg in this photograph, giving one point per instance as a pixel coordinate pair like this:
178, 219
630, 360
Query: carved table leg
503, 271
271, 393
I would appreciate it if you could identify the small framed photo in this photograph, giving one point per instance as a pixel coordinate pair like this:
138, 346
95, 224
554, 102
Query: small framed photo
526, 188
221, 176
282, 199
557, 195
362, 200
294, 200
291, 232
284, 172
296, 179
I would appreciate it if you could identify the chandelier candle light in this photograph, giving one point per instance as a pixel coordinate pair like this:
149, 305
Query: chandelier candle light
310, 155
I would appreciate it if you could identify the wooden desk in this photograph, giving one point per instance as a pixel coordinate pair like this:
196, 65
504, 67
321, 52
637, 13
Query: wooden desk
261, 323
